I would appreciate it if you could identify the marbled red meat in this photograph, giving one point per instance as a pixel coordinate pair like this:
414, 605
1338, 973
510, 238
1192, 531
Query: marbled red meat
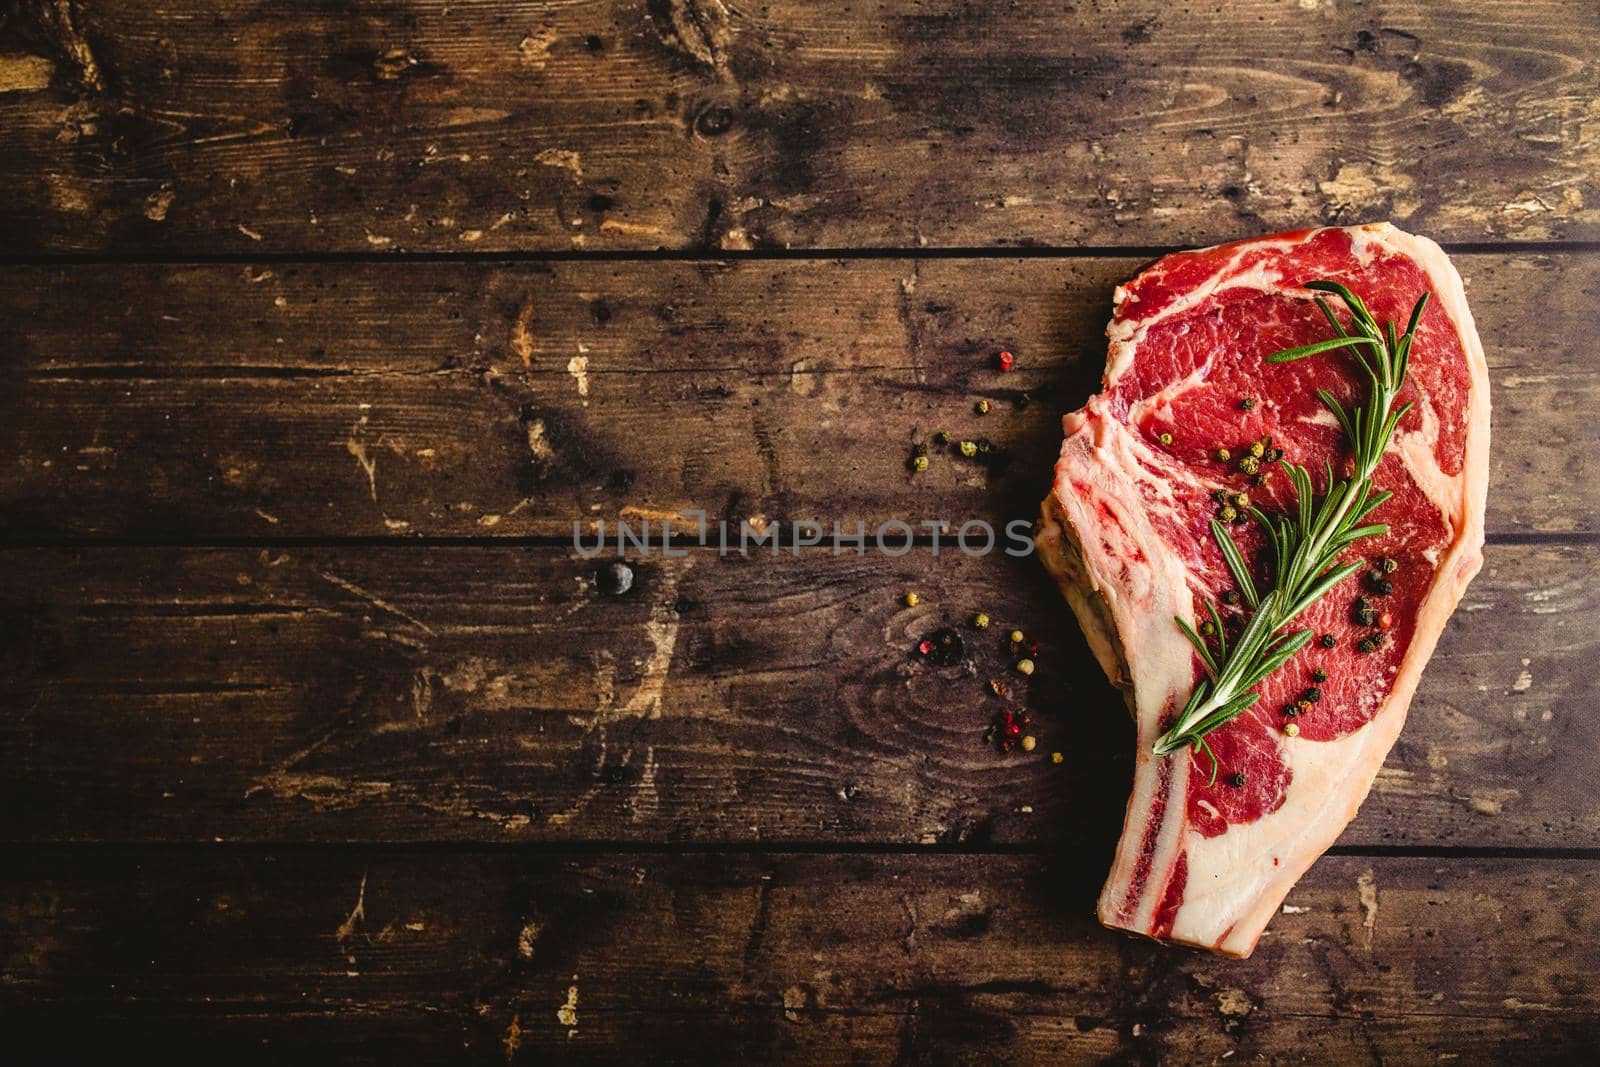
1126, 533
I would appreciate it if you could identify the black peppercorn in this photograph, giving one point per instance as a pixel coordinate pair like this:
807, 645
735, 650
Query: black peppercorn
1231, 597
614, 579
1312, 695
1328, 640
1237, 780
1319, 675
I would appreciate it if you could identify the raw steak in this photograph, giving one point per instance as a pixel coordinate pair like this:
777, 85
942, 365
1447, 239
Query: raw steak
1125, 534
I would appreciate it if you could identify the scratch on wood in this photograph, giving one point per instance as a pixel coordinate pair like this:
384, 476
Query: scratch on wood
697, 28
25, 74
564, 159
567, 1014
578, 367
513, 1039
358, 449
522, 337
1367, 890
358, 914
377, 602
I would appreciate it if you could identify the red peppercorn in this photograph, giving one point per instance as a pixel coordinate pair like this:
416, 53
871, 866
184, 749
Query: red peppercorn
1006, 360
1013, 729
925, 647
1385, 621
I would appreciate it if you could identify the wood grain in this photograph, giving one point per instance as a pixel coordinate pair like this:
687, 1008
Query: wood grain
216, 402
791, 958
639, 124
490, 694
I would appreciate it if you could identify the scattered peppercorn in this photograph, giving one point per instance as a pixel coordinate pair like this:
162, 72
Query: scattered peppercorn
1273, 455
1388, 564
1028, 743
1015, 637
1237, 780
1291, 729
614, 579
1319, 675
984, 445
1362, 612
1385, 620
1056, 757
969, 448
925, 646
942, 437
1227, 513
1249, 465
1223, 455
981, 621
1258, 449
1241, 500
1328, 640
912, 599
1290, 711
1313, 695
1260, 479
1025, 666
919, 463
1303, 704
1006, 360
1230, 597
1383, 587
981, 407
1208, 628
947, 648
1247, 404
1165, 438
1366, 644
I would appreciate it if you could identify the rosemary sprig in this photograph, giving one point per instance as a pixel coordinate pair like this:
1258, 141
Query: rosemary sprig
1306, 543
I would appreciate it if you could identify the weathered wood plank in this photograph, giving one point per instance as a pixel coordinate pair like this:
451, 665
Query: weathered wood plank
404, 694
627, 124
865, 959
184, 403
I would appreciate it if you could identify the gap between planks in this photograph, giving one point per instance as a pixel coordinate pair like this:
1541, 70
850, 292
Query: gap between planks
695, 255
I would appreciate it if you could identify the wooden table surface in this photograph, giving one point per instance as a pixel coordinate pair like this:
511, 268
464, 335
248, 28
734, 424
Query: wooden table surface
323, 322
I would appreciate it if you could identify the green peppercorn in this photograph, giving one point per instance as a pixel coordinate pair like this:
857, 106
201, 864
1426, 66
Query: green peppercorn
981, 621
1258, 450
981, 407
1208, 628
1025, 666
1227, 513
969, 448
919, 463
1249, 465
912, 600
1242, 500
1223, 455
1016, 637
1165, 438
